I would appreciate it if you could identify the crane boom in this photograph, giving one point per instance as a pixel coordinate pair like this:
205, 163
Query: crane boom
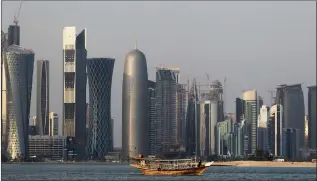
16, 16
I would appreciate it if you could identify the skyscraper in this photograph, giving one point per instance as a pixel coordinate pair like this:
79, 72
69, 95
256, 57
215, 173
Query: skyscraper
42, 99
14, 35
135, 121
292, 99
312, 121
181, 96
74, 84
191, 121
152, 118
18, 64
99, 72
275, 130
262, 127
290, 141
165, 90
53, 124
251, 117
4, 128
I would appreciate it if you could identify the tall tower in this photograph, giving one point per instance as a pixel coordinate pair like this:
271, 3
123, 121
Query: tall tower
74, 85
135, 122
18, 64
14, 35
312, 121
99, 72
152, 117
42, 99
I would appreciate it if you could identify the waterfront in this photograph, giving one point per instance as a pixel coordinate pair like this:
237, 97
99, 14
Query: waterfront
42, 171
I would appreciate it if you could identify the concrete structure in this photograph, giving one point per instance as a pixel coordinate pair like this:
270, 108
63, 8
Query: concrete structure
152, 118
312, 120
74, 87
166, 91
275, 130
50, 147
262, 127
291, 144
99, 72
292, 99
18, 64
42, 97
53, 124
14, 35
251, 117
135, 122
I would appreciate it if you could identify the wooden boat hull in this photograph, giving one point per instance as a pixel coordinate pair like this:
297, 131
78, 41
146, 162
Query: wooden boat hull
190, 171
138, 166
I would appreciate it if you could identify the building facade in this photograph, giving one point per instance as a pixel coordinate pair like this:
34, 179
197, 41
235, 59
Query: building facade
292, 99
262, 127
152, 118
180, 112
18, 64
74, 87
275, 130
100, 72
312, 120
165, 90
135, 121
42, 97
291, 144
53, 124
14, 35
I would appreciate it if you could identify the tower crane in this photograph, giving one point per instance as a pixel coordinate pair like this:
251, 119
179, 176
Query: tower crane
16, 16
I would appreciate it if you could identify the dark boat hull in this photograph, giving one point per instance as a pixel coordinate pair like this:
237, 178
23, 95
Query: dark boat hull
190, 171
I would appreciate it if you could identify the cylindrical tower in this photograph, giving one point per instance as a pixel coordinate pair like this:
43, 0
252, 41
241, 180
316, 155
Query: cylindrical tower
135, 105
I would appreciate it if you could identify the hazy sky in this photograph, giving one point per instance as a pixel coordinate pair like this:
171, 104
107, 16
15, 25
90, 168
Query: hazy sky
256, 45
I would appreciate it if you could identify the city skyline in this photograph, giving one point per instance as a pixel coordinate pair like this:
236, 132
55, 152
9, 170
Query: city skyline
283, 52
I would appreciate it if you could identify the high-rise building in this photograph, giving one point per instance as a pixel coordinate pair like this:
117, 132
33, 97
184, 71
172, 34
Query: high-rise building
224, 128
18, 64
262, 127
238, 139
181, 96
99, 72
42, 97
291, 141
240, 110
165, 91
14, 35
275, 130
53, 124
135, 121
152, 118
292, 99
312, 120
251, 117
306, 131
4, 125
74, 85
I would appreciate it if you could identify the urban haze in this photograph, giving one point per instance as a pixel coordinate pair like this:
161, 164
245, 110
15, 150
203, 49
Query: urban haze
255, 45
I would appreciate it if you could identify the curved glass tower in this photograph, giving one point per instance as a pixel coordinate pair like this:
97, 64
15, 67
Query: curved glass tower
135, 105
99, 80
18, 64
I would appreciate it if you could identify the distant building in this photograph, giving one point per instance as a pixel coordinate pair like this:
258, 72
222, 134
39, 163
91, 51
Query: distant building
238, 139
32, 130
306, 131
53, 124
312, 120
181, 96
165, 90
42, 97
224, 131
14, 35
50, 147
251, 118
240, 110
34, 120
262, 127
275, 130
152, 118
291, 143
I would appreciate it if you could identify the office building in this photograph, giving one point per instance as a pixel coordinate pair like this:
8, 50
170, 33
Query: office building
292, 99
99, 72
32, 130
251, 118
291, 141
275, 130
306, 132
34, 120
74, 85
47, 147
152, 117
262, 127
14, 35
240, 110
135, 121
224, 128
4, 125
312, 117
18, 64
181, 96
53, 124
238, 139
42, 97
165, 91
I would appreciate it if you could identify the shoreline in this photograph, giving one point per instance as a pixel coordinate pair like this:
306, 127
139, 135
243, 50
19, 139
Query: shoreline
265, 164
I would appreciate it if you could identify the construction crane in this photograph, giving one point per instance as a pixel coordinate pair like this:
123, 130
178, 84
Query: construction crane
17, 14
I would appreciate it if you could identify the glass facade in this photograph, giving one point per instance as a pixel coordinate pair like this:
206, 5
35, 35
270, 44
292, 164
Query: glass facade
99, 80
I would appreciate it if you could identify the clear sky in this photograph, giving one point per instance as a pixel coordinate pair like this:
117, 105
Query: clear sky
256, 45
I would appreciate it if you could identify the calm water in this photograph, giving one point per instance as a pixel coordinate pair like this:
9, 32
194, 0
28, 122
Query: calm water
125, 172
